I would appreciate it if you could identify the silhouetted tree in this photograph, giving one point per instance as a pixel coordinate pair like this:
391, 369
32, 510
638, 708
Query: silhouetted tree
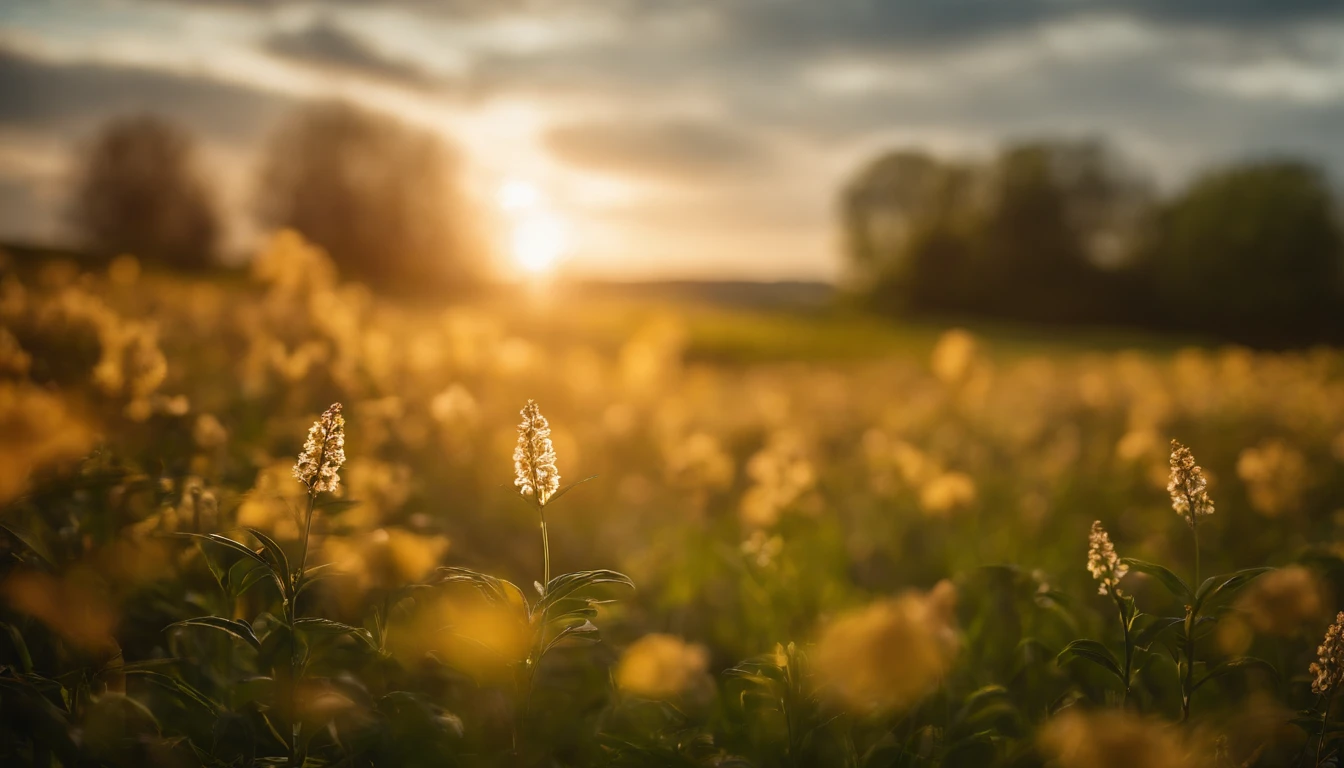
1253, 251
1060, 220
907, 220
138, 190
380, 196
1043, 233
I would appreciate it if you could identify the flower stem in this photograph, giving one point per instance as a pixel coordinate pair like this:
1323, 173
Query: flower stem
545, 551
1188, 677
307, 530
291, 617
1325, 719
1129, 646
1194, 533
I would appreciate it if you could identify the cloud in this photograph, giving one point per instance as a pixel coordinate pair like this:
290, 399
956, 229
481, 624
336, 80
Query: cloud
68, 98
327, 45
668, 148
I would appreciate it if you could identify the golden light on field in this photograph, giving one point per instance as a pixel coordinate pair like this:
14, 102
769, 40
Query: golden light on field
537, 237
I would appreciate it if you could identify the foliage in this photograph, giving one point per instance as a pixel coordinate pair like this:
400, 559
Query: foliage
1063, 232
865, 562
382, 197
1256, 249
138, 190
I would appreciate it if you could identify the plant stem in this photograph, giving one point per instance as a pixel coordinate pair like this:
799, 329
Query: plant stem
1194, 533
291, 617
1188, 677
523, 698
1129, 648
545, 550
307, 530
1325, 719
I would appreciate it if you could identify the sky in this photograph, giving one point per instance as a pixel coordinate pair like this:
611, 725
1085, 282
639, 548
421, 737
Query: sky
703, 139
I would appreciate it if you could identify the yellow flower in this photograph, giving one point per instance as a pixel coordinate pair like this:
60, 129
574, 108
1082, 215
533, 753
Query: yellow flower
889, 655
1283, 602
1113, 739
386, 558
946, 492
37, 430
660, 666
1275, 474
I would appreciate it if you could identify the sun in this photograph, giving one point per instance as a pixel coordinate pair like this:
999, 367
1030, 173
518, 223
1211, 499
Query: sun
537, 237
517, 195
537, 242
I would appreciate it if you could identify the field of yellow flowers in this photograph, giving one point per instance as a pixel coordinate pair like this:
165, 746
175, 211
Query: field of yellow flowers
281, 521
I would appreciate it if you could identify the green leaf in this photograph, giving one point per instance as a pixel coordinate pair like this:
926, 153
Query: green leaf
315, 574
585, 632
279, 562
239, 629
1225, 585
1149, 634
556, 496
224, 541
1234, 665
20, 646
33, 543
1129, 612
178, 686
1093, 651
327, 626
254, 575
1171, 581
570, 584
983, 706
495, 589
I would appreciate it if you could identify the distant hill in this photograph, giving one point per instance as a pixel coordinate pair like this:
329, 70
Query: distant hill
789, 294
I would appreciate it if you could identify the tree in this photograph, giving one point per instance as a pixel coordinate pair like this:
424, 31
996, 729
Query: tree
380, 196
1253, 251
906, 218
139, 191
1044, 232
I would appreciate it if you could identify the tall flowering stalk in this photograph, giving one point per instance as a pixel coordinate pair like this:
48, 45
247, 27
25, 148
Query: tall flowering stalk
1189, 492
318, 468
535, 473
1328, 673
320, 463
1106, 567
1190, 499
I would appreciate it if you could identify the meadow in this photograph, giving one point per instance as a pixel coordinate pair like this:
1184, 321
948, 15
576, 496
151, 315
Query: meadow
798, 538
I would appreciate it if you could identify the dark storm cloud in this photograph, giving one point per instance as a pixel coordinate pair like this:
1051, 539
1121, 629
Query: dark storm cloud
854, 24
68, 98
865, 25
327, 45
670, 148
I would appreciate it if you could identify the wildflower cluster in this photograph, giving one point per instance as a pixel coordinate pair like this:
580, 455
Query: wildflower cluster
534, 458
323, 453
1188, 486
1328, 669
1102, 562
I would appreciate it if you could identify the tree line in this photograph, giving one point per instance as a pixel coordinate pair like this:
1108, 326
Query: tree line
1067, 232
382, 197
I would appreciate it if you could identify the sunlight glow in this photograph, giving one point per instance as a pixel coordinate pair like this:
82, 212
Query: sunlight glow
517, 195
538, 242
537, 237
